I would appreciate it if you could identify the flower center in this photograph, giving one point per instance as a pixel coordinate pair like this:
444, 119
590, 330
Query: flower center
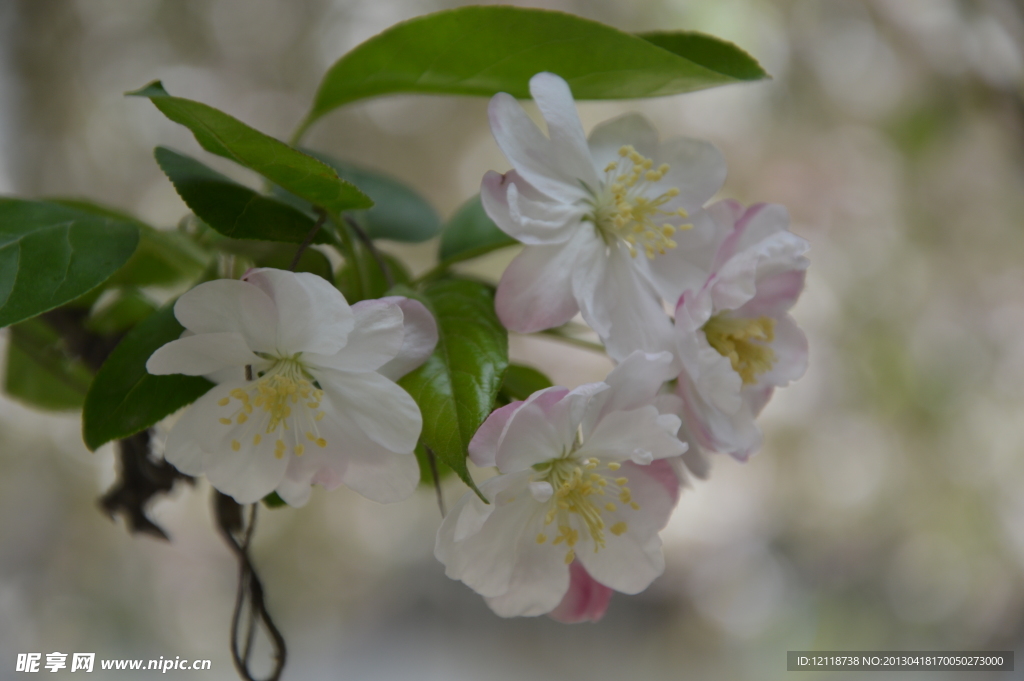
282, 399
743, 340
623, 211
581, 493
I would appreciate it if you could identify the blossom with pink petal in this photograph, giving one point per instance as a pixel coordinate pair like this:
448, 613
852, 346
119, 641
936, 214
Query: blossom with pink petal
734, 339
583, 490
607, 221
321, 406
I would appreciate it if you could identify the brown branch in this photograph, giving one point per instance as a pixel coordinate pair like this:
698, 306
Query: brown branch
238, 536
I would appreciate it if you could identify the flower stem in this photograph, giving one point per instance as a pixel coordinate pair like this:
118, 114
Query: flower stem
370, 246
321, 216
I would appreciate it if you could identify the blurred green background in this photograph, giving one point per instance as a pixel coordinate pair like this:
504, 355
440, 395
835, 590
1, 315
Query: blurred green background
886, 509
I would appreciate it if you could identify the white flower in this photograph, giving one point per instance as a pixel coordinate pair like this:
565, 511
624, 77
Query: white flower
583, 478
605, 222
734, 339
322, 406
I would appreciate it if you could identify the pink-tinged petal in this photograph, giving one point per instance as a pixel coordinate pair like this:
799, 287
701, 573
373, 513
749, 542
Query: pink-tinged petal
733, 433
312, 314
635, 317
585, 601
696, 168
735, 282
379, 408
608, 137
640, 433
554, 99
775, 294
535, 292
228, 305
375, 339
201, 355
790, 348
630, 561
483, 448
542, 428
759, 222
530, 152
418, 341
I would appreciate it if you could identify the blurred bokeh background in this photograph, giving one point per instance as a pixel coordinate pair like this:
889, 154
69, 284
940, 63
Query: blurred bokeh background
886, 510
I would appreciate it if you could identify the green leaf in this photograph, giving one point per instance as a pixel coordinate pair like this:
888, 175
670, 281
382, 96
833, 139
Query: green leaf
119, 310
522, 381
40, 373
485, 50
708, 51
51, 254
221, 134
398, 212
470, 231
364, 279
233, 209
456, 387
124, 397
163, 258
274, 500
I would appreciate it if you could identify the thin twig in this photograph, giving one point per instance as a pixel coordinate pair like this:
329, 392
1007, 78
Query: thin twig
368, 242
250, 588
578, 342
432, 460
321, 216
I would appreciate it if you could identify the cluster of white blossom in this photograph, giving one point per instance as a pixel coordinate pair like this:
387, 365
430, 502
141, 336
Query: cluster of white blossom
615, 227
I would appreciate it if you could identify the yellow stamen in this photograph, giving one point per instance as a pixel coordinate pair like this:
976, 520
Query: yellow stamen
744, 341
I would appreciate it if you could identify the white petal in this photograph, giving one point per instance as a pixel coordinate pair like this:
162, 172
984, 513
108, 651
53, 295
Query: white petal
226, 305
199, 444
535, 292
554, 99
544, 427
538, 430
524, 213
380, 409
628, 305
295, 493
608, 137
484, 559
775, 294
312, 315
790, 348
688, 266
530, 152
696, 168
619, 435
629, 562
375, 339
541, 491
637, 379
201, 355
